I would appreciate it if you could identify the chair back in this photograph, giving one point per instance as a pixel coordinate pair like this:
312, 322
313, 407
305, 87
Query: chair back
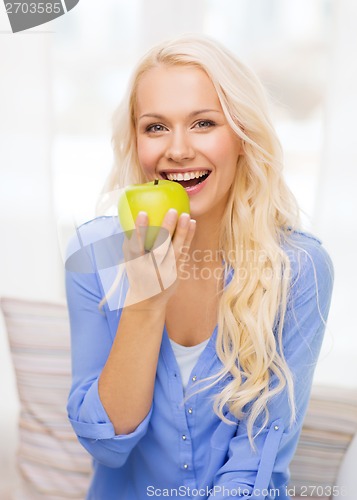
51, 462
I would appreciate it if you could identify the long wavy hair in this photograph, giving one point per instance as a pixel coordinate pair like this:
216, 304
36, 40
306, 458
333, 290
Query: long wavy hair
260, 214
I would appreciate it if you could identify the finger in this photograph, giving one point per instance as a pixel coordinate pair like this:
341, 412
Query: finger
136, 245
190, 233
172, 225
173, 248
177, 253
164, 237
170, 221
181, 233
188, 237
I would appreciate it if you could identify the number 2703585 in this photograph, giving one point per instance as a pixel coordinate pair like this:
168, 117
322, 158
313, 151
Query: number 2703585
33, 8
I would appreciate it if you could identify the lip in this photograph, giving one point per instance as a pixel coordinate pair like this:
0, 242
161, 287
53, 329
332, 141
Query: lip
181, 171
193, 190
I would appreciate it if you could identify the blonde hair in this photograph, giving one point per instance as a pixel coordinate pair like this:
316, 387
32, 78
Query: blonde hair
260, 213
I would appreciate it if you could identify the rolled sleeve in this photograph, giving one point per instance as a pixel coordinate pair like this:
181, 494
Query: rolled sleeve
255, 466
94, 422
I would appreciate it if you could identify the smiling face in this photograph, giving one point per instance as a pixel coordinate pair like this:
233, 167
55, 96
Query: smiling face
183, 135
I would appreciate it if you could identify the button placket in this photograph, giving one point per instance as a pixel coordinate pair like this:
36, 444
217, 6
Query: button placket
183, 419
186, 455
186, 450
186, 413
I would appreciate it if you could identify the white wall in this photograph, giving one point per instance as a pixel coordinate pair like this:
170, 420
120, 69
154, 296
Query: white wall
29, 260
336, 196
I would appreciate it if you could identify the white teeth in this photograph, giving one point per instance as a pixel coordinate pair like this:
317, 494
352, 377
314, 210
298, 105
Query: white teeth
186, 176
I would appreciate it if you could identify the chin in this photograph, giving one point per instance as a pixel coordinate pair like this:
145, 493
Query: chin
199, 213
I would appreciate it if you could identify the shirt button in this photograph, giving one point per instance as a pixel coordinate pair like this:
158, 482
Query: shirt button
194, 378
190, 411
184, 437
276, 427
185, 466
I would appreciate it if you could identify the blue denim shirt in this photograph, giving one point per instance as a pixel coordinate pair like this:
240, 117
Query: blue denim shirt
182, 449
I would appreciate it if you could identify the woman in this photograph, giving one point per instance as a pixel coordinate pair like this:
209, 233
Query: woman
198, 389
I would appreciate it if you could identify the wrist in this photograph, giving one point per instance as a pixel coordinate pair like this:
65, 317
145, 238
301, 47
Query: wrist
152, 306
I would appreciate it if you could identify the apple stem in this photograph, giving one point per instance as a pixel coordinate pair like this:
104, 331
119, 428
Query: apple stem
156, 182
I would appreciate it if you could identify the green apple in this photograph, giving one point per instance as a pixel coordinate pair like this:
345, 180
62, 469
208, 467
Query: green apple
155, 198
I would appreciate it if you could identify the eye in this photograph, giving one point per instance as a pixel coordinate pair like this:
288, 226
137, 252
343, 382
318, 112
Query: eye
204, 124
155, 127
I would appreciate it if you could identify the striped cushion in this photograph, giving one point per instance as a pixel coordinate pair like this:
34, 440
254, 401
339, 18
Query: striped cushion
329, 427
52, 463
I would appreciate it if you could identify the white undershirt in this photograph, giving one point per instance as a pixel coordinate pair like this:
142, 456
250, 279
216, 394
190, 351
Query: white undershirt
187, 357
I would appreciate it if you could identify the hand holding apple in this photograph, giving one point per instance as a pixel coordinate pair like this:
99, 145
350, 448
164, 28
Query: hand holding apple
155, 198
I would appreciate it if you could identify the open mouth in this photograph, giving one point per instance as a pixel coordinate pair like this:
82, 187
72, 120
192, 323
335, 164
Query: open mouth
187, 179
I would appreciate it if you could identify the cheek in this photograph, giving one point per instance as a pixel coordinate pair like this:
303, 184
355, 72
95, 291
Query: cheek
147, 154
223, 150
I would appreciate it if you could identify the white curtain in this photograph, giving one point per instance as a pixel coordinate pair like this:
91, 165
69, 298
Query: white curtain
29, 259
336, 196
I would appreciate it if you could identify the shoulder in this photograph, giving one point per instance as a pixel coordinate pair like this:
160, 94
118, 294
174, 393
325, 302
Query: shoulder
94, 230
92, 244
310, 262
306, 250
97, 229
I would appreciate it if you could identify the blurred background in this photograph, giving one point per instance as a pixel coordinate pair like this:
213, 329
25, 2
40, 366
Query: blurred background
59, 85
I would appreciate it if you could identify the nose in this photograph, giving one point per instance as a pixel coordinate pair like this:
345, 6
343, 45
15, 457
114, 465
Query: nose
179, 147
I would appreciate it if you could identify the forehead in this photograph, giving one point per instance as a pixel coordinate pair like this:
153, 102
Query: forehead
167, 88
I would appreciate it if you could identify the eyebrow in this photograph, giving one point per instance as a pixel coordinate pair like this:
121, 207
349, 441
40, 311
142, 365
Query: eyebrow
191, 115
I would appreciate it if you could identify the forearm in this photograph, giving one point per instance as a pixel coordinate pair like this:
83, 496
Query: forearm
126, 384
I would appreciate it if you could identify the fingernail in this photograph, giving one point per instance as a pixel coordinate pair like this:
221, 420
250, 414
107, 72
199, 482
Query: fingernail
171, 215
184, 220
141, 217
